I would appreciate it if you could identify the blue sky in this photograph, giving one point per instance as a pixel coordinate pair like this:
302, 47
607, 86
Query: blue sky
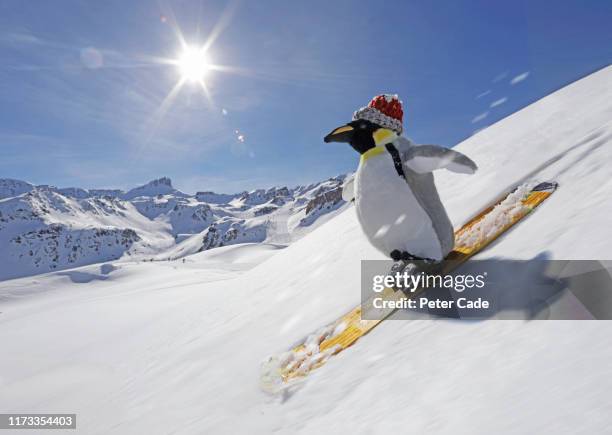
82, 87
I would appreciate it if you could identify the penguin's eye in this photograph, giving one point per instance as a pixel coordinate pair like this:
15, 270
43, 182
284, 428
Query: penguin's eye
363, 126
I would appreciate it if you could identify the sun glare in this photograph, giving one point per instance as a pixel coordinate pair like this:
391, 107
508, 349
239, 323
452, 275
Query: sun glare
193, 64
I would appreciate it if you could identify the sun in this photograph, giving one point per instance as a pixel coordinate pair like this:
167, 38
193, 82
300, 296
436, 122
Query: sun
193, 64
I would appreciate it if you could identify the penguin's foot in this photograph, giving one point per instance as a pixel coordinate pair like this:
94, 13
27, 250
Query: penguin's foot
408, 264
406, 256
397, 255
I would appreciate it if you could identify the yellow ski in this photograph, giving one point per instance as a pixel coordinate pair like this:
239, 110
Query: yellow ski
471, 238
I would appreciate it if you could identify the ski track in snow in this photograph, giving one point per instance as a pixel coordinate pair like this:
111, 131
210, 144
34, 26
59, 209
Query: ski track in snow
173, 347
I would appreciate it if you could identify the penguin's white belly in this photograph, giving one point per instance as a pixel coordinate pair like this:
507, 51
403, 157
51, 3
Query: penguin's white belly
389, 212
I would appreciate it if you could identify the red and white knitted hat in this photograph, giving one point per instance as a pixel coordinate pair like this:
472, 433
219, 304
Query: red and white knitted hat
384, 110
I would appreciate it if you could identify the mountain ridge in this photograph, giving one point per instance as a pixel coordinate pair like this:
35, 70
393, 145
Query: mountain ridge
45, 228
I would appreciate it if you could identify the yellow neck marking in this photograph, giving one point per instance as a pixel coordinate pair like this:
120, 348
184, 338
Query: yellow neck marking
383, 136
371, 153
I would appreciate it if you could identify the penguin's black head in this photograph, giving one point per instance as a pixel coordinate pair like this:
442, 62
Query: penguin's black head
361, 134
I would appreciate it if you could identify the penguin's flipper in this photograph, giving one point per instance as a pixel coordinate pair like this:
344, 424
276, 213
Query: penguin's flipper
428, 158
348, 189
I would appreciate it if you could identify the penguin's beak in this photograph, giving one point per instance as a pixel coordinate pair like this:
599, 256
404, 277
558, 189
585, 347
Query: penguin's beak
341, 134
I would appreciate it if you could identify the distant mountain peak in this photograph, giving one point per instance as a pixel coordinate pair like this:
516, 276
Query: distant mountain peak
159, 186
10, 187
163, 181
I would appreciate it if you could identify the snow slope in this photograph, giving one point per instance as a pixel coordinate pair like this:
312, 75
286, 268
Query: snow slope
175, 347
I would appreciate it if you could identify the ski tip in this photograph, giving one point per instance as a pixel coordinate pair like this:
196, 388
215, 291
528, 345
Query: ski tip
546, 186
271, 380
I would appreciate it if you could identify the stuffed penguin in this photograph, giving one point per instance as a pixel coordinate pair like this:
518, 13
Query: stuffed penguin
397, 202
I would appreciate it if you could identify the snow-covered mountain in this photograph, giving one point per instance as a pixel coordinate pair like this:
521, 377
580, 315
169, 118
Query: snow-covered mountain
175, 347
10, 188
44, 228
